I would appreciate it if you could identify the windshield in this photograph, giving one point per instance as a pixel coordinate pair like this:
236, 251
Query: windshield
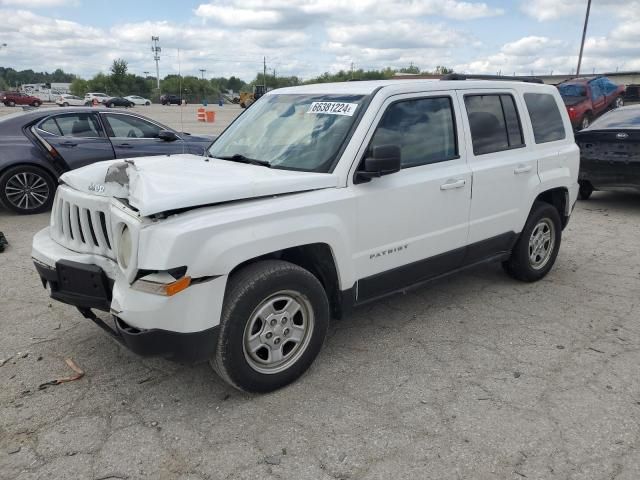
572, 90
295, 132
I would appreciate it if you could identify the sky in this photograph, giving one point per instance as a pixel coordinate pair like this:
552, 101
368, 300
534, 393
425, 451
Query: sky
309, 37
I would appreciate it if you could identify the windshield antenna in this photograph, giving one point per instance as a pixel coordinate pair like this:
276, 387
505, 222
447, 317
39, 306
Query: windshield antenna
181, 100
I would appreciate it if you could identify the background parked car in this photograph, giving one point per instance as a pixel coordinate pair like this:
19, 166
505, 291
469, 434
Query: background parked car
118, 102
588, 98
610, 152
11, 99
171, 100
99, 97
69, 101
40, 145
139, 100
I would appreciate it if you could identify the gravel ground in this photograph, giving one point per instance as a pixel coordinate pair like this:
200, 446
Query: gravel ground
475, 377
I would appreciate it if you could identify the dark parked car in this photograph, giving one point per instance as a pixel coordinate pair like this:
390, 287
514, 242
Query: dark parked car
610, 152
171, 100
118, 102
11, 99
36, 147
588, 98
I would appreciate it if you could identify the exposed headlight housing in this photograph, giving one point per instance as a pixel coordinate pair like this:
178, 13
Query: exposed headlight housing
125, 247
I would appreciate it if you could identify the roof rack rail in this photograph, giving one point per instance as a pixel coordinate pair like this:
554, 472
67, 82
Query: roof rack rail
462, 76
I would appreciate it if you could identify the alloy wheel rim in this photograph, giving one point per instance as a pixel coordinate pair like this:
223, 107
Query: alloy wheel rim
541, 244
278, 332
27, 190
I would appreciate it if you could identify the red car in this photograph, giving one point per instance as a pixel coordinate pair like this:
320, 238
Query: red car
11, 99
588, 98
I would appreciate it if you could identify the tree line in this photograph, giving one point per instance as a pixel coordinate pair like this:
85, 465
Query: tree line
119, 82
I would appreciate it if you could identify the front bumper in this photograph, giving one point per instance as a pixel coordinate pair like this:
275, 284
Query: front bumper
183, 327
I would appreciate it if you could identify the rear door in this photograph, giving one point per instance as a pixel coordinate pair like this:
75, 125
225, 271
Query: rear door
133, 136
77, 137
503, 169
598, 98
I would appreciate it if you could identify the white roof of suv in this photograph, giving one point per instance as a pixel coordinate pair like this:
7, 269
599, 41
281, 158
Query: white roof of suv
369, 86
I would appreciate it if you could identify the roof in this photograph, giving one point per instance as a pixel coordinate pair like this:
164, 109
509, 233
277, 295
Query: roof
398, 84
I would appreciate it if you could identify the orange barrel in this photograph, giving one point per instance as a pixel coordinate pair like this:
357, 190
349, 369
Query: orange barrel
211, 116
201, 115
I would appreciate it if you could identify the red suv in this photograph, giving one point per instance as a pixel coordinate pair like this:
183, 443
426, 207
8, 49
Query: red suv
588, 98
11, 99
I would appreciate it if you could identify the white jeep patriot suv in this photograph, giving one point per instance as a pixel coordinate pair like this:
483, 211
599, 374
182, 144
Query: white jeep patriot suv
315, 199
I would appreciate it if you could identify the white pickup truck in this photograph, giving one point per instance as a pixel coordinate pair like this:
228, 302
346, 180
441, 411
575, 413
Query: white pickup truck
316, 199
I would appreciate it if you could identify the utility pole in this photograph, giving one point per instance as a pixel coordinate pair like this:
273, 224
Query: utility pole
264, 73
146, 74
202, 72
351, 70
584, 34
155, 48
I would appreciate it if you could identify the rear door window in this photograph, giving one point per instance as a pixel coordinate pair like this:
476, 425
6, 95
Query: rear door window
494, 122
545, 117
83, 125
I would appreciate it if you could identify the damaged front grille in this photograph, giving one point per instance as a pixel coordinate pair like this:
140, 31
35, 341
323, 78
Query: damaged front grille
82, 223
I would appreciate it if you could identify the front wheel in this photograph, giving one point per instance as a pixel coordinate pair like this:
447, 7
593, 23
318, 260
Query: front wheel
147, 104
11, 103
65, 104
111, 105
536, 250
273, 324
27, 189
36, 104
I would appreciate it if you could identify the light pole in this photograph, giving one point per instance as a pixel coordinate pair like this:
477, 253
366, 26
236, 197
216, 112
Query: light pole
202, 72
584, 34
155, 48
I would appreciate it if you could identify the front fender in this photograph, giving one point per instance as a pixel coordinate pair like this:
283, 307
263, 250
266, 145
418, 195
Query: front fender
209, 244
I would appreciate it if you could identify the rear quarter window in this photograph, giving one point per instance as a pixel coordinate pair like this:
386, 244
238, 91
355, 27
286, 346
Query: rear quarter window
545, 117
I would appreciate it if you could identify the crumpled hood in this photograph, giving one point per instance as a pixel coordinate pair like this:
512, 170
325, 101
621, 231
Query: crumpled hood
162, 183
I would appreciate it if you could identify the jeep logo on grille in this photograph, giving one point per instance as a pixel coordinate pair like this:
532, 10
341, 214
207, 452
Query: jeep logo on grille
96, 188
622, 135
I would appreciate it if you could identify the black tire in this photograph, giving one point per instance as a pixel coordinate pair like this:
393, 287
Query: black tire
586, 121
111, 105
520, 265
36, 104
11, 103
148, 104
65, 104
585, 191
255, 285
7, 179
618, 102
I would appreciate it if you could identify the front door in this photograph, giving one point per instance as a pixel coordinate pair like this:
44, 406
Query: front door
412, 225
135, 137
77, 137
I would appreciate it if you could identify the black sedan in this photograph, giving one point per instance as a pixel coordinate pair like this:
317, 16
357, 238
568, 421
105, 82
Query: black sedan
118, 102
38, 146
610, 152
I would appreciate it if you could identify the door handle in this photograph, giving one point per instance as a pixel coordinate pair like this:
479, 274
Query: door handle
453, 183
522, 169
69, 144
125, 145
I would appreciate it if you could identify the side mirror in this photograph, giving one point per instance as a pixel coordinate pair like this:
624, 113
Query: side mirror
384, 160
167, 136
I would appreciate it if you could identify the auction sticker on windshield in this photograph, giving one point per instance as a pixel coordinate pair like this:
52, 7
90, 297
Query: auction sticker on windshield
333, 108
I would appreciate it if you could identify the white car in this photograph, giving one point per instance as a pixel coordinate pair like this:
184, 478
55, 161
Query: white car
359, 190
138, 100
69, 101
99, 97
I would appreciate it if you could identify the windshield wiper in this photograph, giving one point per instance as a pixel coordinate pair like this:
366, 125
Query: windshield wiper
242, 159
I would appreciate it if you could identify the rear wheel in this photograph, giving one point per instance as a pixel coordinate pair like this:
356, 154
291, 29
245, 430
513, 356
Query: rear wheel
537, 248
273, 324
11, 103
111, 105
147, 103
585, 191
65, 104
27, 189
586, 121
618, 103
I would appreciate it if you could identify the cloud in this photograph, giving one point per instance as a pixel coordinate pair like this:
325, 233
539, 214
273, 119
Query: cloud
545, 10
